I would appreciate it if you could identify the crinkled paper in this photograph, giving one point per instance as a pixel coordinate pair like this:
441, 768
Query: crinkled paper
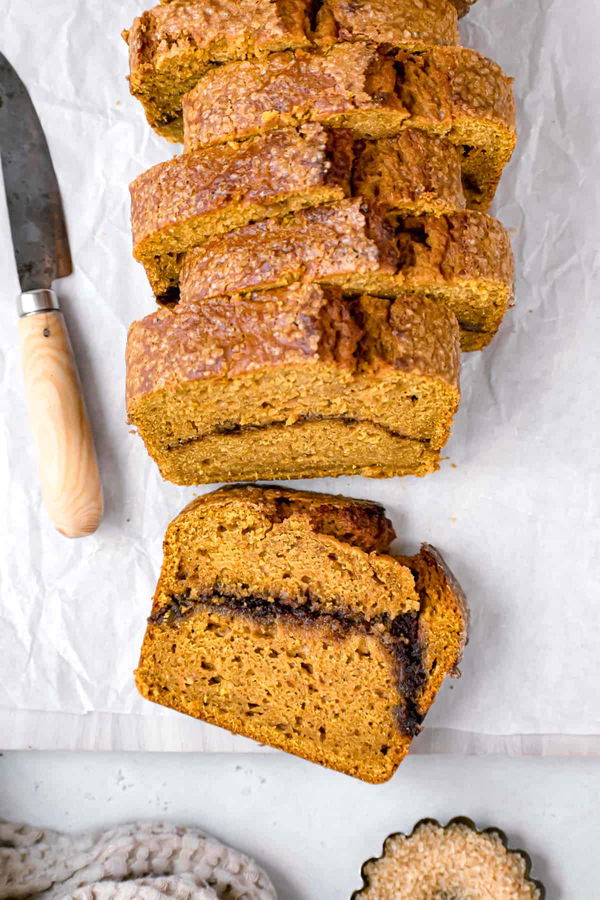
515, 507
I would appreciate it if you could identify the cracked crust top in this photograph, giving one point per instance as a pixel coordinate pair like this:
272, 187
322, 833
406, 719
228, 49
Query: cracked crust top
431, 90
173, 45
287, 327
348, 240
263, 169
213, 32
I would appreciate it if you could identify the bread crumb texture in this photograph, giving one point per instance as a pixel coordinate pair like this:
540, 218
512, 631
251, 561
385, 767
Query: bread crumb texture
281, 615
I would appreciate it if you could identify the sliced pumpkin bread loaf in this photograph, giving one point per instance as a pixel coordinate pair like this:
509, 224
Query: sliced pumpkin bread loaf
179, 204
294, 383
173, 45
448, 91
281, 616
462, 259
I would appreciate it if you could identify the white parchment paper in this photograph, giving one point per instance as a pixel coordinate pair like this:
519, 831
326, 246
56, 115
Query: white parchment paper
515, 508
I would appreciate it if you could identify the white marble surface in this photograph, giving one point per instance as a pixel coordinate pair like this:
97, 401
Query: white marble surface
312, 828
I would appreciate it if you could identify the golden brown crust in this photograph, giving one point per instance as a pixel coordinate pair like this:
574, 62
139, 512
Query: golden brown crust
338, 239
194, 185
312, 245
412, 334
448, 91
216, 340
222, 30
411, 173
444, 611
178, 204
406, 24
287, 327
359, 522
173, 45
284, 90
479, 88
468, 244
346, 244
274, 385
448, 590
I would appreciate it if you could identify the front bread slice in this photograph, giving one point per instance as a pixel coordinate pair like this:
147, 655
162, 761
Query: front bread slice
275, 617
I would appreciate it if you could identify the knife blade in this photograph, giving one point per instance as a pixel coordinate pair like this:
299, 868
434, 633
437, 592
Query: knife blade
32, 194
67, 463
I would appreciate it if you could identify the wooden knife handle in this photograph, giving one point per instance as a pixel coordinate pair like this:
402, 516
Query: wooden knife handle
67, 464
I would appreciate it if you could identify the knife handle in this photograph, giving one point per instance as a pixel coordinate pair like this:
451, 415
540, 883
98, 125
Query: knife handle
66, 458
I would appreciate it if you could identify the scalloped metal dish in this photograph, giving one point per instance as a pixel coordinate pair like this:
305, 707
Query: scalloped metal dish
457, 820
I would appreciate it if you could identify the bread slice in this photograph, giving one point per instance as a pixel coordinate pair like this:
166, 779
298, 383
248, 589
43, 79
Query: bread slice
281, 616
178, 204
462, 259
449, 91
294, 383
173, 45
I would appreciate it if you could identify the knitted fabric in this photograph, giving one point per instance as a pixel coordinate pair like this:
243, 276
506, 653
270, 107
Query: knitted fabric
140, 860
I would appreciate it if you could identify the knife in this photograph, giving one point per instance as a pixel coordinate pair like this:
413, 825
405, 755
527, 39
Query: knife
66, 458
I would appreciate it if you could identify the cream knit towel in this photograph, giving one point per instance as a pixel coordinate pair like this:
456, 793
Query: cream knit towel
141, 861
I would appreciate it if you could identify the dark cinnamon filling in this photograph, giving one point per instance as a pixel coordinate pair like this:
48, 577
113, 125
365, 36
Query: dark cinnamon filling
231, 428
401, 634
